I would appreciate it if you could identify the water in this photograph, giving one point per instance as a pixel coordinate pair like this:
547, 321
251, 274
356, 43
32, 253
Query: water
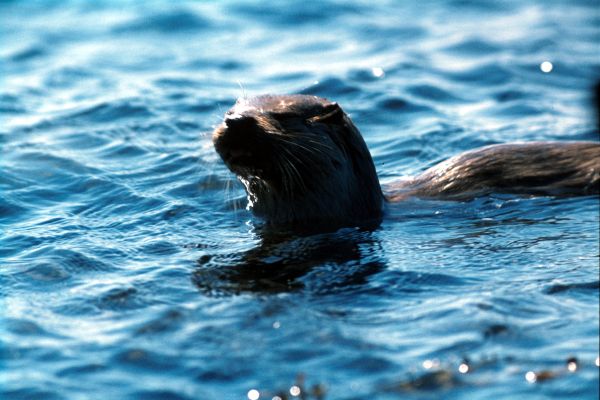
131, 270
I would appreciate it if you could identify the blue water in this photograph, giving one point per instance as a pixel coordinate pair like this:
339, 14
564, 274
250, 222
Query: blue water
130, 268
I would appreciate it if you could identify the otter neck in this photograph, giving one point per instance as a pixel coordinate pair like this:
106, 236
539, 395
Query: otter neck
312, 209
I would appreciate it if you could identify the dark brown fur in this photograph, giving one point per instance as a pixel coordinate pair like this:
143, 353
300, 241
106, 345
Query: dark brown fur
536, 168
303, 162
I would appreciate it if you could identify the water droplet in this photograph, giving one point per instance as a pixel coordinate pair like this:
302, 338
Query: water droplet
597, 361
276, 325
378, 72
572, 364
428, 364
463, 368
295, 391
546, 66
531, 377
253, 394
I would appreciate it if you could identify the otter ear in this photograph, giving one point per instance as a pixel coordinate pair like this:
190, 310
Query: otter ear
332, 113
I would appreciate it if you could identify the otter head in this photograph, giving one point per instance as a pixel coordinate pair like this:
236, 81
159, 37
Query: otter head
301, 160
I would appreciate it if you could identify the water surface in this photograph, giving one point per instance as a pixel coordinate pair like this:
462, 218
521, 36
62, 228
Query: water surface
131, 269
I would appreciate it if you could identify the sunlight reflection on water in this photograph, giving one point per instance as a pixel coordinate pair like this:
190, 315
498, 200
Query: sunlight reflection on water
131, 268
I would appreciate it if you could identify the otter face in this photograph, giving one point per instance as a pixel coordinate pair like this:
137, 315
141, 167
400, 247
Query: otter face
301, 160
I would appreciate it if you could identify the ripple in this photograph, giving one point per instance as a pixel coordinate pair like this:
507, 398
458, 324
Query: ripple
31, 393
160, 247
177, 82
401, 34
164, 323
46, 273
146, 359
411, 282
330, 87
474, 47
430, 92
119, 201
24, 327
14, 244
159, 395
85, 141
10, 211
320, 266
119, 298
131, 269
510, 95
294, 13
518, 110
11, 104
189, 190
82, 369
28, 54
122, 150
496, 330
400, 104
54, 168
172, 21
109, 112
365, 75
223, 64
487, 74
71, 260
70, 77
583, 287
428, 382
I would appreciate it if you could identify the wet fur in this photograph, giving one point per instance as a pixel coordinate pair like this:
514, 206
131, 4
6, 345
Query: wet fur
307, 163
303, 162
535, 168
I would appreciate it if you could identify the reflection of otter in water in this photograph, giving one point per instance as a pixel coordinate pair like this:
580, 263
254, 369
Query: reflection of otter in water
281, 264
303, 162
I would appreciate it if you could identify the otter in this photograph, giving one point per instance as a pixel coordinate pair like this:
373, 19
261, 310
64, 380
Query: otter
304, 163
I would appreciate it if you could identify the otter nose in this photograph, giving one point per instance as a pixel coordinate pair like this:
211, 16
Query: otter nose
236, 121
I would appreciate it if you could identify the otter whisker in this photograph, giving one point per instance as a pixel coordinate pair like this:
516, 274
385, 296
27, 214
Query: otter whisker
303, 161
310, 151
324, 146
291, 154
243, 90
309, 139
291, 169
229, 196
303, 136
287, 178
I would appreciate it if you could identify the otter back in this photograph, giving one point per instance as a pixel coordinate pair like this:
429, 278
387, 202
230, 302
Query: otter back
536, 168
